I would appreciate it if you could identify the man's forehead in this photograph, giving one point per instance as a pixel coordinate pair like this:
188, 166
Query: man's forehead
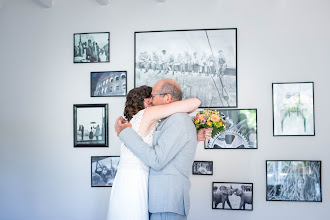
156, 86
153, 90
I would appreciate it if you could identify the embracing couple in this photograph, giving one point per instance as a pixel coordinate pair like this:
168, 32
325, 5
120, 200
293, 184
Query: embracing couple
157, 153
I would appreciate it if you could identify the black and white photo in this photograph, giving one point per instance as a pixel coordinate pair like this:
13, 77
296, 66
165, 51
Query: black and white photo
109, 84
203, 62
240, 132
293, 109
293, 180
91, 47
90, 125
202, 168
232, 196
104, 169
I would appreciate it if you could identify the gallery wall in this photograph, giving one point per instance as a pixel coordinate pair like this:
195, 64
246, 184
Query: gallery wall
44, 177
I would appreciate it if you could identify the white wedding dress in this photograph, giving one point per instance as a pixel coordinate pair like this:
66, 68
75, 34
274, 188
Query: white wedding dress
129, 194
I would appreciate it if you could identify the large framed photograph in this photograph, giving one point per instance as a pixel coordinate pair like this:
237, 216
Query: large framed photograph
109, 84
293, 180
293, 109
203, 62
232, 196
90, 125
103, 170
91, 47
240, 133
202, 168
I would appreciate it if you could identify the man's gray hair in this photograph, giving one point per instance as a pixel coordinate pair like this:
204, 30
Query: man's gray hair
174, 90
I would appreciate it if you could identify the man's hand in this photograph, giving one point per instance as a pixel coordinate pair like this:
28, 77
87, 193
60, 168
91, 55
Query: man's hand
121, 124
204, 133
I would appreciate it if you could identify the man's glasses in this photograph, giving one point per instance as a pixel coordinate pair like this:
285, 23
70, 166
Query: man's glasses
153, 95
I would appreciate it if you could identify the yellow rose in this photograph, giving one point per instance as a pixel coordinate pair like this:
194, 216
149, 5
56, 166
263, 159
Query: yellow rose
215, 117
220, 123
196, 122
209, 123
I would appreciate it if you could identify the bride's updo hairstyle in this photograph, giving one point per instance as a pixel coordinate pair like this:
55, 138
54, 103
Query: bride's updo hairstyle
135, 101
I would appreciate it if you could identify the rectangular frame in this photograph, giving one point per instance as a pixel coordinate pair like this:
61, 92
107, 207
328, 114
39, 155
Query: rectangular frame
222, 194
79, 48
81, 128
109, 83
240, 134
293, 98
104, 174
211, 77
291, 189
205, 171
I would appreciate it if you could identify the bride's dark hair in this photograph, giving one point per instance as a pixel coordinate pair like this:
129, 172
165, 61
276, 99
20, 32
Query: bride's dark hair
135, 101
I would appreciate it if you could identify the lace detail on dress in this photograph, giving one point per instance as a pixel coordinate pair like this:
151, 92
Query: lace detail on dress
127, 158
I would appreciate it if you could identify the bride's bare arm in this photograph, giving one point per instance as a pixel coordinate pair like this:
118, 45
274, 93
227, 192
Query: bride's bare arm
152, 114
155, 113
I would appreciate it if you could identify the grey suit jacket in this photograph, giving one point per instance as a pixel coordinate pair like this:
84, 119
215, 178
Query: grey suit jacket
170, 161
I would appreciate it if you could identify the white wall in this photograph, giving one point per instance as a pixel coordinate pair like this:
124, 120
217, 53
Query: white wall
44, 177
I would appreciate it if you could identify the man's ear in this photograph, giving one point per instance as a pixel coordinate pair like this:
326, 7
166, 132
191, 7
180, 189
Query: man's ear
169, 98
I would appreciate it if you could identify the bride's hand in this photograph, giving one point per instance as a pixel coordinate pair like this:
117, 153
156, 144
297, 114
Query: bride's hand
121, 124
204, 133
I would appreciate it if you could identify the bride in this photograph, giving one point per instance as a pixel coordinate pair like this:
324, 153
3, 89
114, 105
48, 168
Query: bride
129, 194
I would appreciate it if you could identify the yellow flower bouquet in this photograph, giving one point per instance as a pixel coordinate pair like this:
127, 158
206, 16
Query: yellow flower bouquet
209, 119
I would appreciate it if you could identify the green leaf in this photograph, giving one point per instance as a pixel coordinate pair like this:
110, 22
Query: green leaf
217, 130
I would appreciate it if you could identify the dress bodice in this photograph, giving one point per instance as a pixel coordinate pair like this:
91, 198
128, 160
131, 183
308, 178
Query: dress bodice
127, 158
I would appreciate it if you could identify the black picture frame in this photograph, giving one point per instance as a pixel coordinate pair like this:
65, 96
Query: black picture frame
296, 184
223, 192
207, 168
210, 77
85, 53
109, 84
97, 136
103, 175
241, 133
293, 102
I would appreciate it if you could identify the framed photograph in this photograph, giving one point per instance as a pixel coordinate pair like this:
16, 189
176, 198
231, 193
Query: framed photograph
104, 169
240, 133
293, 109
203, 62
90, 125
293, 180
91, 47
109, 84
232, 196
202, 168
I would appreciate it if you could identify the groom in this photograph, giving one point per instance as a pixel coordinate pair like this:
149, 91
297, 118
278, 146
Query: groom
170, 159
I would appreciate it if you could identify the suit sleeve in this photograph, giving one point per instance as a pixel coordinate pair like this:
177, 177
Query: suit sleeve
171, 141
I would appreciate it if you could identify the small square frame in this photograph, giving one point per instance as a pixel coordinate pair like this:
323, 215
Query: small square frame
208, 170
293, 182
294, 110
104, 174
81, 128
79, 48
109, 83
221, 195
241, 136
